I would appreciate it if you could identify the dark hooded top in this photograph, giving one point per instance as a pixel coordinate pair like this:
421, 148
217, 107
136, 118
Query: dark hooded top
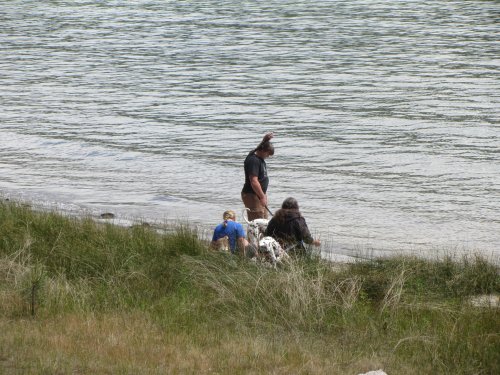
289, 228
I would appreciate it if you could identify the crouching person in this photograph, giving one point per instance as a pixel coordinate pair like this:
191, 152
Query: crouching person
229, 235
289, 228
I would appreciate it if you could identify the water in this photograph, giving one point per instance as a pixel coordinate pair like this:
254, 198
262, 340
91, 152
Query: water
386, 113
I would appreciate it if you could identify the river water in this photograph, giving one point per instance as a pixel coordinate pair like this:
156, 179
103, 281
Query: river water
386, 113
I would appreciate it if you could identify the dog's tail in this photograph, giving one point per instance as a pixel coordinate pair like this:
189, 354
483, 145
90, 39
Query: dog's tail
244, 214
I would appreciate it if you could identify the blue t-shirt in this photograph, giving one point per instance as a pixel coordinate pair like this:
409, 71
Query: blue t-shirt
232, 230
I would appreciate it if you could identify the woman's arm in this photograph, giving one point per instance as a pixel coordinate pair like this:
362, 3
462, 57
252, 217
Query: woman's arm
305, 234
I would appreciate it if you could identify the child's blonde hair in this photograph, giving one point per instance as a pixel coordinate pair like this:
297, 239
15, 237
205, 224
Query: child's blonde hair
229, 214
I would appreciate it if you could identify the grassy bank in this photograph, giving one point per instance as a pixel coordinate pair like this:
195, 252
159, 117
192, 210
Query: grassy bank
81, 297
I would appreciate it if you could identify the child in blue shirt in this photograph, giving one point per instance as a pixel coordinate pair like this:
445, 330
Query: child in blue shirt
229, 235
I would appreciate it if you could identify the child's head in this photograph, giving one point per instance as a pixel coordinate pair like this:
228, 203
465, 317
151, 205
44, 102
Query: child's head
229, 215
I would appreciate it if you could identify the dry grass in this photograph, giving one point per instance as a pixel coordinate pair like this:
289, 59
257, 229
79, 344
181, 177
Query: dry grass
133, 344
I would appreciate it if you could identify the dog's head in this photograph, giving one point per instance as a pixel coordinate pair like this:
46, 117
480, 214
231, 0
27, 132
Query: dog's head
271, 247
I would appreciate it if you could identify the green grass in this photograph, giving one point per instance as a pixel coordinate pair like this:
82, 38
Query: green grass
82, 297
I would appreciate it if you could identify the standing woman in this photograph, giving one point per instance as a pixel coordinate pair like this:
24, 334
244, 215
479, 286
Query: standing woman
254, 192
289, 228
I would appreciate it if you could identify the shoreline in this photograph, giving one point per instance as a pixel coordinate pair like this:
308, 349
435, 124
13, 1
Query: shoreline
204, 230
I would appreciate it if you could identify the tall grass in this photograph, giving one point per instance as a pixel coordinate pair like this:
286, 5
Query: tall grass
86, 297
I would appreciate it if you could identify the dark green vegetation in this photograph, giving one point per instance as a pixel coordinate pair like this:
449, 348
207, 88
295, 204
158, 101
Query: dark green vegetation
78, 296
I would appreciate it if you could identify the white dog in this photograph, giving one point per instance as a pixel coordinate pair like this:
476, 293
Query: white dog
272, 250
268, 249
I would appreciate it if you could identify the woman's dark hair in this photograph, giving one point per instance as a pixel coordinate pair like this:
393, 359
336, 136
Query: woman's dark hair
266, 146
289, 205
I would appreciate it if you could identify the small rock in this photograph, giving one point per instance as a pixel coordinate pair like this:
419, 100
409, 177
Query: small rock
141, 225
485, 300
107, 215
